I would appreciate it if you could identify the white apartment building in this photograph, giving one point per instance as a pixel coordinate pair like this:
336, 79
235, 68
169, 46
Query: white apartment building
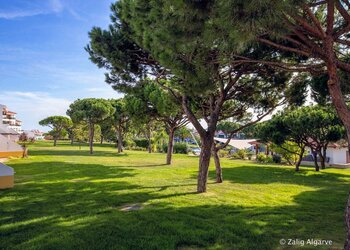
8, 118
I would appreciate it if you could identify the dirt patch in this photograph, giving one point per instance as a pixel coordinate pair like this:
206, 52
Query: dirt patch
132, 207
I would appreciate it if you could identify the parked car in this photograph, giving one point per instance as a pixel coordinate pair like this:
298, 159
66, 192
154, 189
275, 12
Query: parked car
196, 151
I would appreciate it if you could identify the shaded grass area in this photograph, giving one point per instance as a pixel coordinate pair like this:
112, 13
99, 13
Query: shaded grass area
66, 199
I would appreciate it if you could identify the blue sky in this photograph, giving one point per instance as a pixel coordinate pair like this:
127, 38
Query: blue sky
43, 64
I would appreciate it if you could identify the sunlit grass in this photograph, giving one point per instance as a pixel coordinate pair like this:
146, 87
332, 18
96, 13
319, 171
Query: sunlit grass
66, 199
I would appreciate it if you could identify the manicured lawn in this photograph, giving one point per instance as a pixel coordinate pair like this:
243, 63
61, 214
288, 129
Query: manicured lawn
66, 199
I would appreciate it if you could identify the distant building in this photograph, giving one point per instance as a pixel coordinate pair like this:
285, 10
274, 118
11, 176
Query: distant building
8, 118
10, 129
36, 134
337, 154
8, 145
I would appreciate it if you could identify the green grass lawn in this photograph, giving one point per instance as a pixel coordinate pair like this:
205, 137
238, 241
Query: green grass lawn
66, 199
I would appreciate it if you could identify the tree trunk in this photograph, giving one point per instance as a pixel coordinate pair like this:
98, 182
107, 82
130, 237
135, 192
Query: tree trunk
101, 142
120, 141
204, 161
335, 89
347, 222
267, 149
322, 159
72, 140
149, 146
55, 141
314, 153
300, 159
218, 169
91, 137
325, 156
25, 152
170, 146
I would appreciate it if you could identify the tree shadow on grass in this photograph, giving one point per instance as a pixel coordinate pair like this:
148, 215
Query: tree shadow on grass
271, 174
82, 211
77, 152
93, 220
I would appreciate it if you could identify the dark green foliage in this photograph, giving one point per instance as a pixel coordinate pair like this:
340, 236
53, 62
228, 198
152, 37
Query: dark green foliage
276, 158
319, 88
142, 143
312, 126
181, 148
90, 110
59, 126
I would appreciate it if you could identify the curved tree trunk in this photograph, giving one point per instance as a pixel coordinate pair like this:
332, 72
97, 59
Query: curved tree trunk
322, 159
91, 137
335, 91
218, 169
297, 165
204, 161
347, 222
55, 141
170, 146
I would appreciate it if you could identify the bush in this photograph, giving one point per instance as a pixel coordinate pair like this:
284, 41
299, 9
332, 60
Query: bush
250, 155
165, 148
242, 154
223, 153
276, 158
261, 157
235, 156
269, 159
181, 148
142, 143
129, 143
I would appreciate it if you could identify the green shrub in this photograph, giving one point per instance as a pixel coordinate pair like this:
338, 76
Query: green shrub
269, 159
181, 148
235, 156
261, 157
142, 143
242, 154
223, 153
276, 158
250, 155
129, 143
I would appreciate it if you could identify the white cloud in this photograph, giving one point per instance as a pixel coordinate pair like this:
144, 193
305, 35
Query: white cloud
37, 8
56, 6
19, 14
31, 107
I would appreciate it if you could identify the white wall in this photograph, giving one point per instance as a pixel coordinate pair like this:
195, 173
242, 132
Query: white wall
337, 155
7, 145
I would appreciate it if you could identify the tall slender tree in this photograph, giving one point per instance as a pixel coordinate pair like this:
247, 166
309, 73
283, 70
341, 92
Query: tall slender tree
201, 74
120, 120
164, 108
307, 35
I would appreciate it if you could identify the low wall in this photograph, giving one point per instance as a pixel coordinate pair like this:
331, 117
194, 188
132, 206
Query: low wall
11, 154
6, 182
342, 166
